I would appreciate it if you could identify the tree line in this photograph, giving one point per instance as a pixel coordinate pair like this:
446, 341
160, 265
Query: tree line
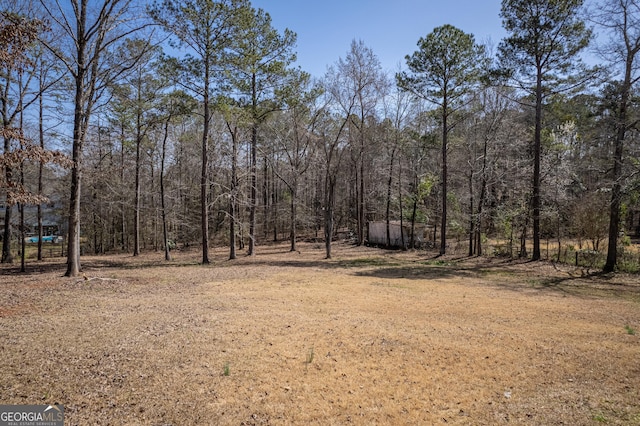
188, 123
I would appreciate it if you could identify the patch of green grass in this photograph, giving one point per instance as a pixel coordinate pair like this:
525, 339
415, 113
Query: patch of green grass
439, 262
226, 370
630, 267
310, 356
535, 282
600, 418
630, 330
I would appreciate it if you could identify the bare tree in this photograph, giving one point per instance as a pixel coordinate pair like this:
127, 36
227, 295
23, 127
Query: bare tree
137, 97
17, 34
361, 85
490, 108
236, 120
48, 75
172, 105
332, 145
295, 137
93, 34
333, 121
397, 107
19, 70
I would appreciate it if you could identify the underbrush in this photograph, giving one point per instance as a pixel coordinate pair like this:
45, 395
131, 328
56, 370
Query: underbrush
571, 253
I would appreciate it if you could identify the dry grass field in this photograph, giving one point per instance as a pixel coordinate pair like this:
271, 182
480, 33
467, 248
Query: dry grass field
369, 337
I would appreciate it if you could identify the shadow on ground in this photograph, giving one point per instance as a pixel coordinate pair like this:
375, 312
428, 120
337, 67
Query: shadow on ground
512, 274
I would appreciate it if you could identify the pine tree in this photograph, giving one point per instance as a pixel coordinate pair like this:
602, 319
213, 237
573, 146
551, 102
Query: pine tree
443, 71
540, 55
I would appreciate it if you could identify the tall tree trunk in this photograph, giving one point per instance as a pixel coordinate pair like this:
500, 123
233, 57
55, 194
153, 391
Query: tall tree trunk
275, 200
330, 183
39, 215
389, 184
163, 207
443, 225
234, 194
136, 204
402, 238
204, 207
414, 211
79, 119
537, 140
266, 199
152, 201
254, 192
40, 170
234, 191
294, 213
616, 189
123, 220
23, 235
94, 214
361, 200
481, 200
471, 212
616, 193
7, 257
253, 171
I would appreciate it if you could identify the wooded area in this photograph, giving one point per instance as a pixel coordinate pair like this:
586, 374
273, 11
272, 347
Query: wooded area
131, 127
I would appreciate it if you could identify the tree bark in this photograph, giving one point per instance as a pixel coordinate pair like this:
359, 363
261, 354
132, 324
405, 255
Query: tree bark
481, 200
361, 200
388, 210
7, 256
123, 219
233, 202
136, 207
40, 170
23, 235
294, 214
329, 219
253, 170
443, 225
616, 189
537, 142
234, 190
402, 238
471, 218
165, 236
79, 118
204, 207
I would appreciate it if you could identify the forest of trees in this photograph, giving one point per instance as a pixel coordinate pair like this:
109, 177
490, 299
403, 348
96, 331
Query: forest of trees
182, 123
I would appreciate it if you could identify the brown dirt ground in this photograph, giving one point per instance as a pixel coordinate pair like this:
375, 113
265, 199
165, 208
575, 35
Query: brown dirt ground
369, 337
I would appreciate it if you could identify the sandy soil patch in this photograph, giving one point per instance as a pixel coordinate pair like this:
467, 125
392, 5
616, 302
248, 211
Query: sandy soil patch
369, 337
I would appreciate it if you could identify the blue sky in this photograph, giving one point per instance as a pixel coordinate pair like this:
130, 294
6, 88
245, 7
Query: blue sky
326, 28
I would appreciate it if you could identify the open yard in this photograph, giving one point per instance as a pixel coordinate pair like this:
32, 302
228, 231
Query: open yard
369, 337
